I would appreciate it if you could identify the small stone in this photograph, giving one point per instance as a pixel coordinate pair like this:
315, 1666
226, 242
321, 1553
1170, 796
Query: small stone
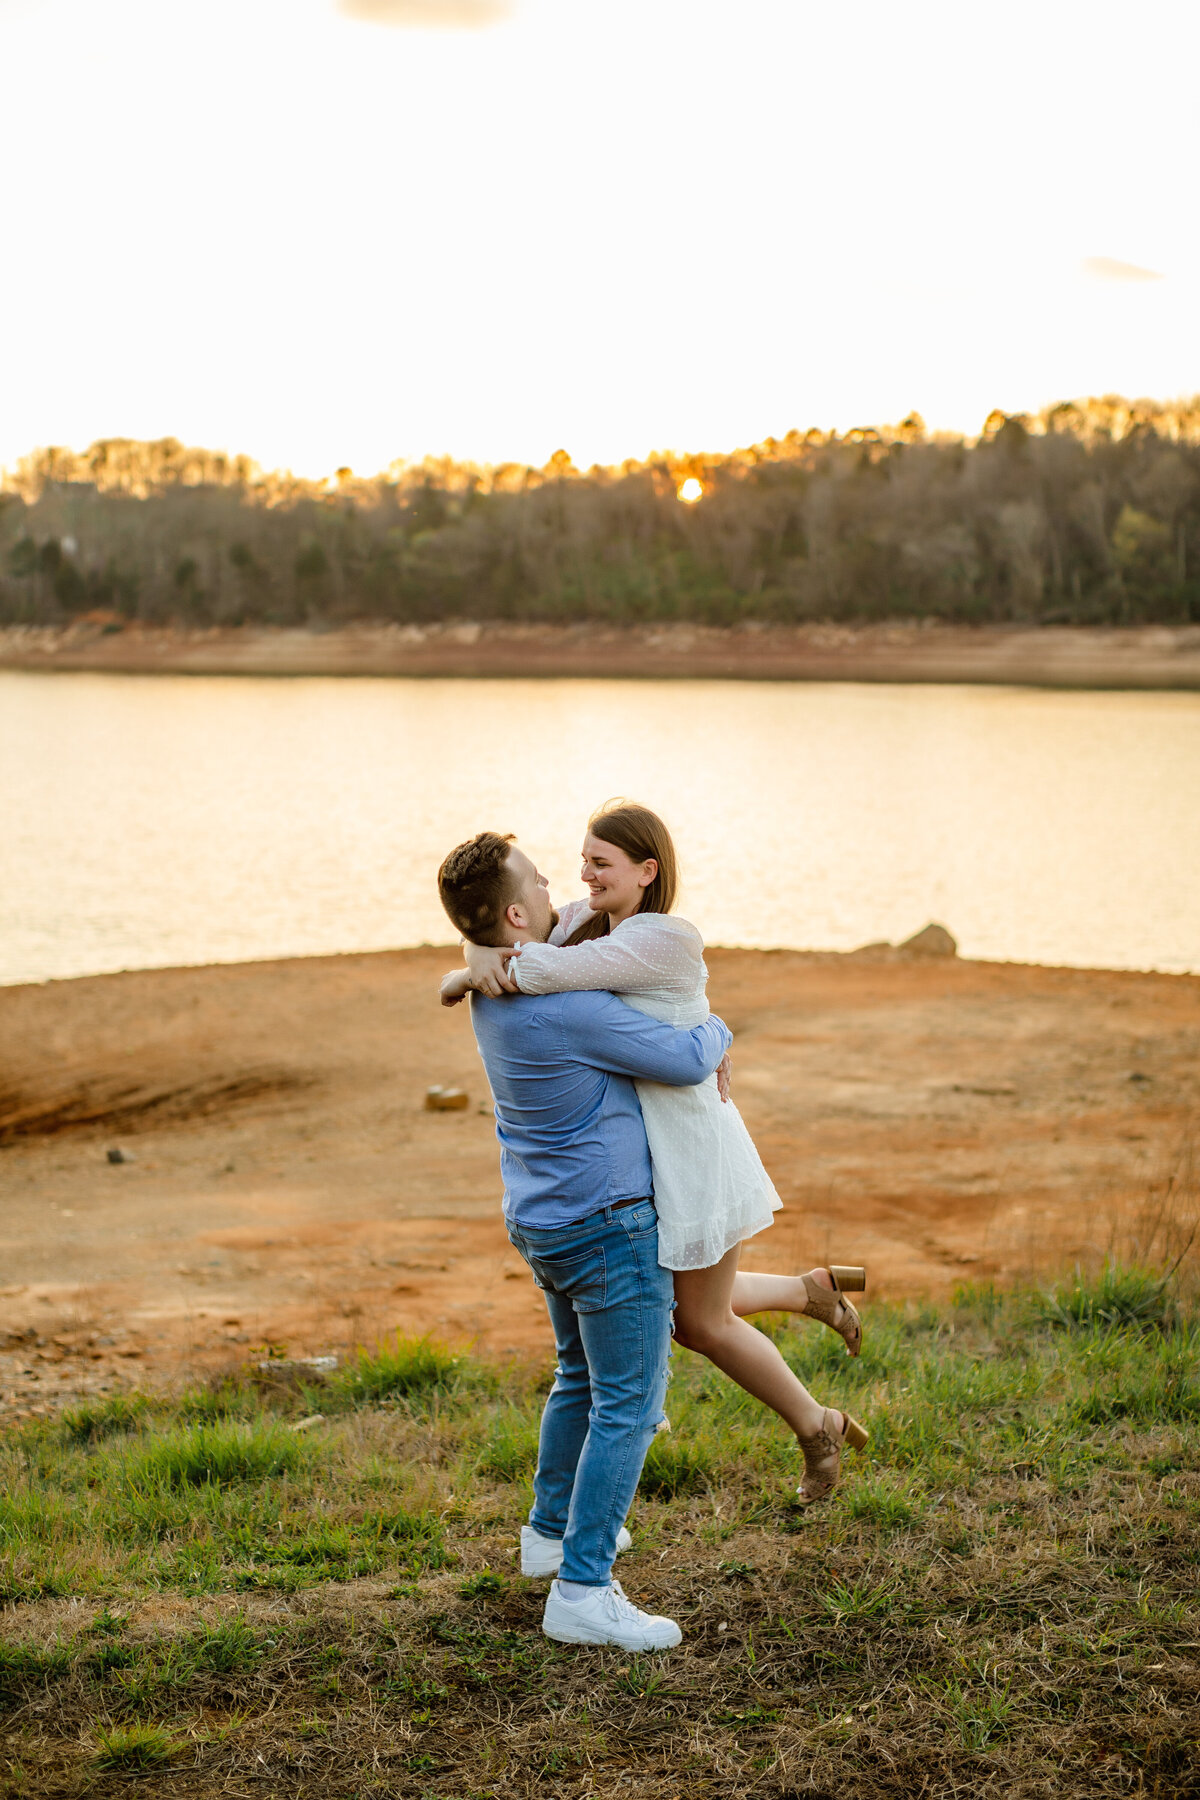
275, 1365
446, 1099
932, 940
115, 1154
307, 1424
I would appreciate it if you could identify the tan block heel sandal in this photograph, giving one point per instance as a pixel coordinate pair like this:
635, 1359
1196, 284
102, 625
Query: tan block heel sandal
833, 1309
823, 1455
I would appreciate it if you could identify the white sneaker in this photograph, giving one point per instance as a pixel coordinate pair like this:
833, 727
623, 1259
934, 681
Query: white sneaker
543, 1555
606, 1617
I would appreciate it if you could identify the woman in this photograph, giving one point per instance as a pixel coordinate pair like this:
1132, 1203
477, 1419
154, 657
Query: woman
710, 1187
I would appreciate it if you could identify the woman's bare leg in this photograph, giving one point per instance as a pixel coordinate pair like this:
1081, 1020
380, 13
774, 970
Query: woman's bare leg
773, 1293
706, 1322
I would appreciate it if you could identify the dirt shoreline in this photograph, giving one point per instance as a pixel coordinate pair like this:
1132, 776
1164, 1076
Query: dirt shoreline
1156, 657
935, 1118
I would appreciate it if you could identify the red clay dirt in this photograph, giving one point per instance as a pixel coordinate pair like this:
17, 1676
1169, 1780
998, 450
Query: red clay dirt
934, 1118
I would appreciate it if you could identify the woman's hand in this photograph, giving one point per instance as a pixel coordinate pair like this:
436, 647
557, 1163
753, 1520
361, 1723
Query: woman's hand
487, 969
455, 986
724, 1073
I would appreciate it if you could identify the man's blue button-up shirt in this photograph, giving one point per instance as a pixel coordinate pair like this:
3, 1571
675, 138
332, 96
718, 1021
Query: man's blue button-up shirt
561, 1069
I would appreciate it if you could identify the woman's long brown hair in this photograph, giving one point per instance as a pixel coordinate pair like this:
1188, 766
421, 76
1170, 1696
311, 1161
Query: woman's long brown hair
641, 834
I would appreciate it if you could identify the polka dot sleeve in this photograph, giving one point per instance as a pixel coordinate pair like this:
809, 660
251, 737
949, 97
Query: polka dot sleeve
650, 953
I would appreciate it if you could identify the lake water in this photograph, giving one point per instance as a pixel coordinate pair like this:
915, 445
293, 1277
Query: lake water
152, 821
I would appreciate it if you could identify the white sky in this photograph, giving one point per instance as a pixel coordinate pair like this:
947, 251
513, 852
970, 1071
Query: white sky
613, 225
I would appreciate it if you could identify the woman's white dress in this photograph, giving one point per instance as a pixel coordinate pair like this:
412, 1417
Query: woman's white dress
709, 1184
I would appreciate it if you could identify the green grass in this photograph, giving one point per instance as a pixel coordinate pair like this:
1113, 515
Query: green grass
134, 1749
1000, 1599
215, 1455
405, 1367
676, 1466
511, 1447
1125, 1298
91, 1424
228, 1647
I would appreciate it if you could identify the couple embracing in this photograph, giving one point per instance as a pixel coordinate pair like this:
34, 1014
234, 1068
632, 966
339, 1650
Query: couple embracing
630, 1181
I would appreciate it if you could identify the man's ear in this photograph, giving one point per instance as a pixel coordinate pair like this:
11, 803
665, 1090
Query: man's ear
516, 916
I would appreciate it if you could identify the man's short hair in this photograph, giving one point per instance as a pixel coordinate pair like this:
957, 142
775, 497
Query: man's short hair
477, 886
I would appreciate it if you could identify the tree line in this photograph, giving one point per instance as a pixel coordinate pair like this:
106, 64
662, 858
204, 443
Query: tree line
1088, 513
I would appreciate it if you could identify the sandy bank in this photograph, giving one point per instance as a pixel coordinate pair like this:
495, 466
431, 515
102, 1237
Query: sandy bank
1153, 657
937, 1119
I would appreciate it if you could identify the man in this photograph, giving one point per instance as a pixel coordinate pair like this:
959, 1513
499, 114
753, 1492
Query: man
579, 1207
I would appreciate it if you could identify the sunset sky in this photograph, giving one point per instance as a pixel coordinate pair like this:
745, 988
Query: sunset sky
329, 234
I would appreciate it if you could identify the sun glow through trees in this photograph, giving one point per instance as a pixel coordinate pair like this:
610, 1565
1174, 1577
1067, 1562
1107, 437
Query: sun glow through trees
690, 491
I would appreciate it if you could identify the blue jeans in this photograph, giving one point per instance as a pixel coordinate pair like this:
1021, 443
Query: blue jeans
610, 1306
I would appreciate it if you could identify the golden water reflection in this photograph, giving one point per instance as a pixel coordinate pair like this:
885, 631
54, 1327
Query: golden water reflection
153, 821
